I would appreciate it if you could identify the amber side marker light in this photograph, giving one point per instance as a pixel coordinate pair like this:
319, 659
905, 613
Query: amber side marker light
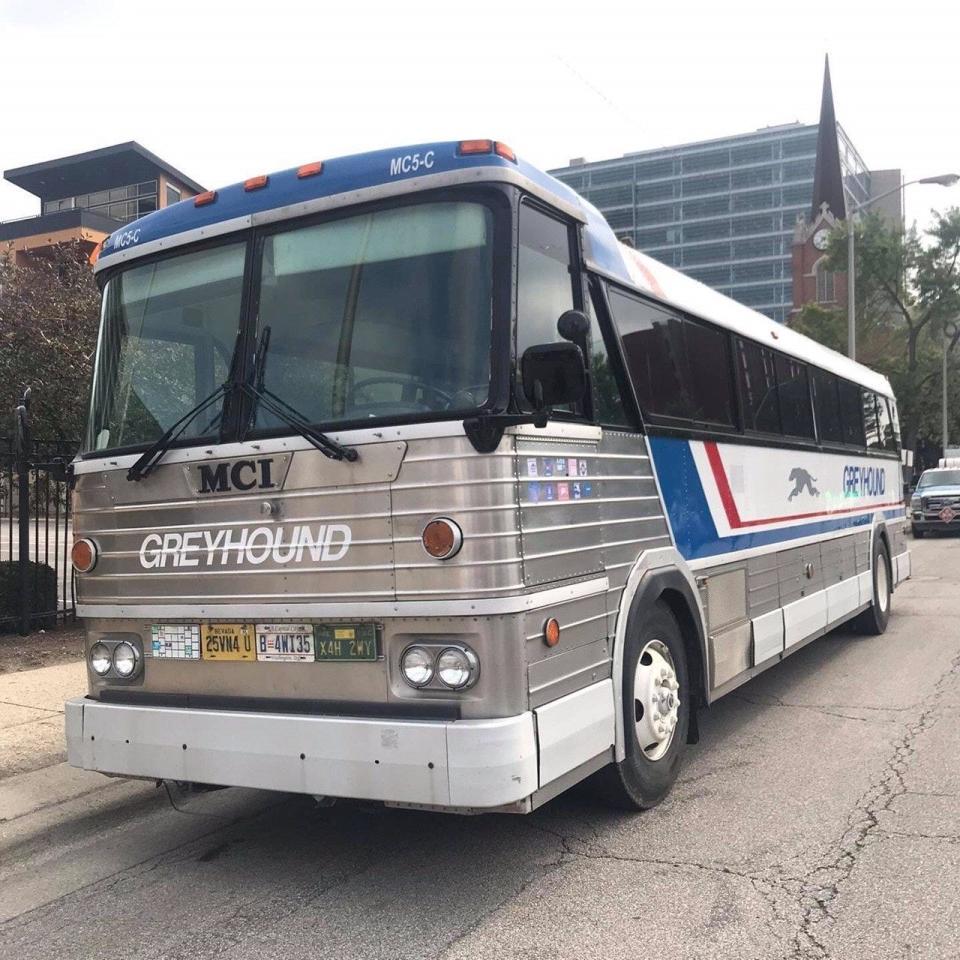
202, 199
467, 148
83, 555
310, 170
442, 538
551, 632
256, 183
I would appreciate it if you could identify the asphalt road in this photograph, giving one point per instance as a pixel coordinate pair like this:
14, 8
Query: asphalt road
818, 817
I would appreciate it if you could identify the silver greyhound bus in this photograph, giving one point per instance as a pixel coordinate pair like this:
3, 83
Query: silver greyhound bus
406, 481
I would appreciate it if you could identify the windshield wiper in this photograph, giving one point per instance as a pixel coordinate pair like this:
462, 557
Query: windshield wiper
154, 453
261, 396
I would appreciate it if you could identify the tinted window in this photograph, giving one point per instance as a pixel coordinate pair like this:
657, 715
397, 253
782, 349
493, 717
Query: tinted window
544, 284
826, 401
607, 402
852, 413
796, 414
894, 424
680, 368
871, 420
758, 387
889, 439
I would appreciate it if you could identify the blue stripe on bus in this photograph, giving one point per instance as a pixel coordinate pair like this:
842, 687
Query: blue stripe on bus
694, 531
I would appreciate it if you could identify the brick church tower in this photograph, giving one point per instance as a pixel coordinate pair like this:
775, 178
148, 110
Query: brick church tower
812, 282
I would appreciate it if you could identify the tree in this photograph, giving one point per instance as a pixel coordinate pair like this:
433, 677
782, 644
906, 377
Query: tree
908, 294
49, 314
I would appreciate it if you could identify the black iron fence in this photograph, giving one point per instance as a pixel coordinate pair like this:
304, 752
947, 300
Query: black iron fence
36, 529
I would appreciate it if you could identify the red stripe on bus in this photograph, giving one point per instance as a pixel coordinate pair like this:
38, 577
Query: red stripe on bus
730, 506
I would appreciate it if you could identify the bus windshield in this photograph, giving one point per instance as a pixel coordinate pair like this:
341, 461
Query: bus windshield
379, 315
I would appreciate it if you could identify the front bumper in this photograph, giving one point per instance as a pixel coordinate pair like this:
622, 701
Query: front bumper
463, 763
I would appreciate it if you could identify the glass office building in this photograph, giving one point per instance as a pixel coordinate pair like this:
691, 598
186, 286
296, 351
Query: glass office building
722, 211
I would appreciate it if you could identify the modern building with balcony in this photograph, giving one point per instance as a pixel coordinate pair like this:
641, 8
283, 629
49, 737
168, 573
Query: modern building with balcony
723, 211
84, 197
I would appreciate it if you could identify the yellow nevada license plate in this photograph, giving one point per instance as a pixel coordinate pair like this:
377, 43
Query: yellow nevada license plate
228, 641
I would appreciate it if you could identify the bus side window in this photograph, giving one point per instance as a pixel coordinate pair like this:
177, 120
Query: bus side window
893, 437
608, 406
851, 409
544, 282
793, 388
826, 393
758, 387
680, 367
871, 420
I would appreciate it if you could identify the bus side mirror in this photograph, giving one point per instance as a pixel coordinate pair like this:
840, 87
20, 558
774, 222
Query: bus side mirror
573, 325
553, 374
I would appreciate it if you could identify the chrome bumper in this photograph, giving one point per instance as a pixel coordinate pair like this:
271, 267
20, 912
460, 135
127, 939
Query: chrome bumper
463, 763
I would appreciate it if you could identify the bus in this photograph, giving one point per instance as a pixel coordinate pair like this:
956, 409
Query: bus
406, 481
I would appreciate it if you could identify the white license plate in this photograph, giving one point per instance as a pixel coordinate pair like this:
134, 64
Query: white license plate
285, 642
175, 641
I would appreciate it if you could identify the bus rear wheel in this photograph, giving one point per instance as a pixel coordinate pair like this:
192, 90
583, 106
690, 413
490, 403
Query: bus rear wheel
656, 714
875, 618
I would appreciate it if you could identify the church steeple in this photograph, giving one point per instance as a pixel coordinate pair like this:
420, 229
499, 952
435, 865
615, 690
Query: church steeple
827, 176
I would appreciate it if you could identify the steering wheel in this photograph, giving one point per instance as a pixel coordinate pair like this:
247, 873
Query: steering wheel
443, 397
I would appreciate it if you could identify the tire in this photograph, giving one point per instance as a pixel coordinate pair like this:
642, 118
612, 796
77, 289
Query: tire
917, 534
874, 619
654, 645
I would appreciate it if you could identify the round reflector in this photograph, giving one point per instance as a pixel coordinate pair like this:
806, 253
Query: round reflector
83, 555
442, 538
551, 632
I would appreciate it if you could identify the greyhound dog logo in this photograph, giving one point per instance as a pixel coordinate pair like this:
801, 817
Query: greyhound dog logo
801, 479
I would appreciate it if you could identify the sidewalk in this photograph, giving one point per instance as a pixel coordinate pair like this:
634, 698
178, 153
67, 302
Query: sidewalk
31, 716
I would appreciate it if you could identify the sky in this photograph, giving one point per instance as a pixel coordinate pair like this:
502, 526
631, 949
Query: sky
224, 91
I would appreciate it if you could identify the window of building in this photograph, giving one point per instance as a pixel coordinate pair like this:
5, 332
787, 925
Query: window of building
172, 195
680, 368
851, 411
825, 283
544, 282
826, 402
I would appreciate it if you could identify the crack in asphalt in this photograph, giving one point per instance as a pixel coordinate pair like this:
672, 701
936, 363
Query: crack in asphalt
822, 885
829, 710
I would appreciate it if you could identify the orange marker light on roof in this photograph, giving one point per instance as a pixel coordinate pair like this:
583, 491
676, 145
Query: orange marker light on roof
310, 169
474, 146
202, 199
256, 183
502, 150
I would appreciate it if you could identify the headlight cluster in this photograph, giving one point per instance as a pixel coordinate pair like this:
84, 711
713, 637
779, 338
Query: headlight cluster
454, 667
117, 658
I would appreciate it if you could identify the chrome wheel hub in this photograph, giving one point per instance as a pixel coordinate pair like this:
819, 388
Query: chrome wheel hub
656, 705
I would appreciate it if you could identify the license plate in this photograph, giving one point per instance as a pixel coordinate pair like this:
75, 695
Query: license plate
947, 514
228, 641
285, 642
346, 641
175, 641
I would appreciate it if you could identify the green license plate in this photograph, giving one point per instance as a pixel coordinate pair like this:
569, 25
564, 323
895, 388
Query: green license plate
345, 641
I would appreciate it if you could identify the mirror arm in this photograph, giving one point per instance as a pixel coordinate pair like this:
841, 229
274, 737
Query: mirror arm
486, 432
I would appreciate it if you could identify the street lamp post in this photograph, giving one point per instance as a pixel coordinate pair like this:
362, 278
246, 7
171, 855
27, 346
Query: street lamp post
950, 330
944, 180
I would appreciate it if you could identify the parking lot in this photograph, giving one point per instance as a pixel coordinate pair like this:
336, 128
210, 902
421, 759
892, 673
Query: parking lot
818, 817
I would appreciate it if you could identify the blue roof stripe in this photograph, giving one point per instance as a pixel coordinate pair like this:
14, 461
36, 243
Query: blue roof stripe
340, 175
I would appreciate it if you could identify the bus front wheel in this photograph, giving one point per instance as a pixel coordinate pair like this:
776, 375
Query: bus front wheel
656, 713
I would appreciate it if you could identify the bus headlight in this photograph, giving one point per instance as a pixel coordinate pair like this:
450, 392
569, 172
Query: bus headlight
125, 659
100, 659
417, 667
458, 668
